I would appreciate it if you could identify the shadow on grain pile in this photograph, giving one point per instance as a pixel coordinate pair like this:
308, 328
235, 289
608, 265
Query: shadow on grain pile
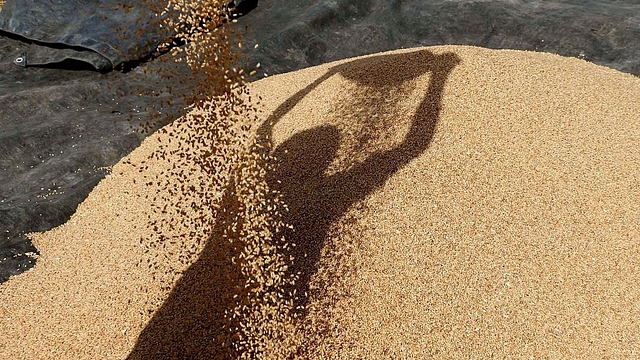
192, 322
315, 200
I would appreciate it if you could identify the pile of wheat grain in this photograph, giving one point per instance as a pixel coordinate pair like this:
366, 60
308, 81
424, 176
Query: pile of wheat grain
448, 202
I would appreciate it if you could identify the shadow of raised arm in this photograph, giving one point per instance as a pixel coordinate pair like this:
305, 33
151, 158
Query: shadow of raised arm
191, 323
377, 168
315, 200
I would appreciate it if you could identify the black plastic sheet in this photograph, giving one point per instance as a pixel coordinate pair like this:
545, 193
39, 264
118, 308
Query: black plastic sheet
103, 33
60, 129
293, 35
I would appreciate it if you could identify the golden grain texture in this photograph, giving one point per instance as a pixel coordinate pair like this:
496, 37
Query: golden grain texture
222, 200
447, 202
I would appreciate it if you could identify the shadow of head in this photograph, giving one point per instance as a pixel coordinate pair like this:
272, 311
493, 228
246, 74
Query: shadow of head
306, 155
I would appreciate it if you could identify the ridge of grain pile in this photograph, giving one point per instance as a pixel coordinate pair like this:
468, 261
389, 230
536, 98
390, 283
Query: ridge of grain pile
444, 202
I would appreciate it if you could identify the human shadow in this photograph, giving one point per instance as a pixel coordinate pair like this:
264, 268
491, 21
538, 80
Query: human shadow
191, 321
316, 200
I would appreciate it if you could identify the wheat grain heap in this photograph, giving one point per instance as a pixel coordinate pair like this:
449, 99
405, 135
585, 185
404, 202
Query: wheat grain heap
444, 202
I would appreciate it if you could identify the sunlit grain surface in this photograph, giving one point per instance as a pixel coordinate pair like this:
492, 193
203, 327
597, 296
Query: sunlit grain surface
448, 202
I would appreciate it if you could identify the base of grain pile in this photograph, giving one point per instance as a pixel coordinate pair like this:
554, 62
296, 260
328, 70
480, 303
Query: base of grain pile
444, 202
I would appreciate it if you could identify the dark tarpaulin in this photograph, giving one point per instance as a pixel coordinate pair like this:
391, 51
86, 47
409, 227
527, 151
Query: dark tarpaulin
293, 35
103, 33
59, 131
61, 122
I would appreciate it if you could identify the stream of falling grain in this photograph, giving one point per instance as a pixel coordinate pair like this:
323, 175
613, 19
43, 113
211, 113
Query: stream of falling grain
223, 208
